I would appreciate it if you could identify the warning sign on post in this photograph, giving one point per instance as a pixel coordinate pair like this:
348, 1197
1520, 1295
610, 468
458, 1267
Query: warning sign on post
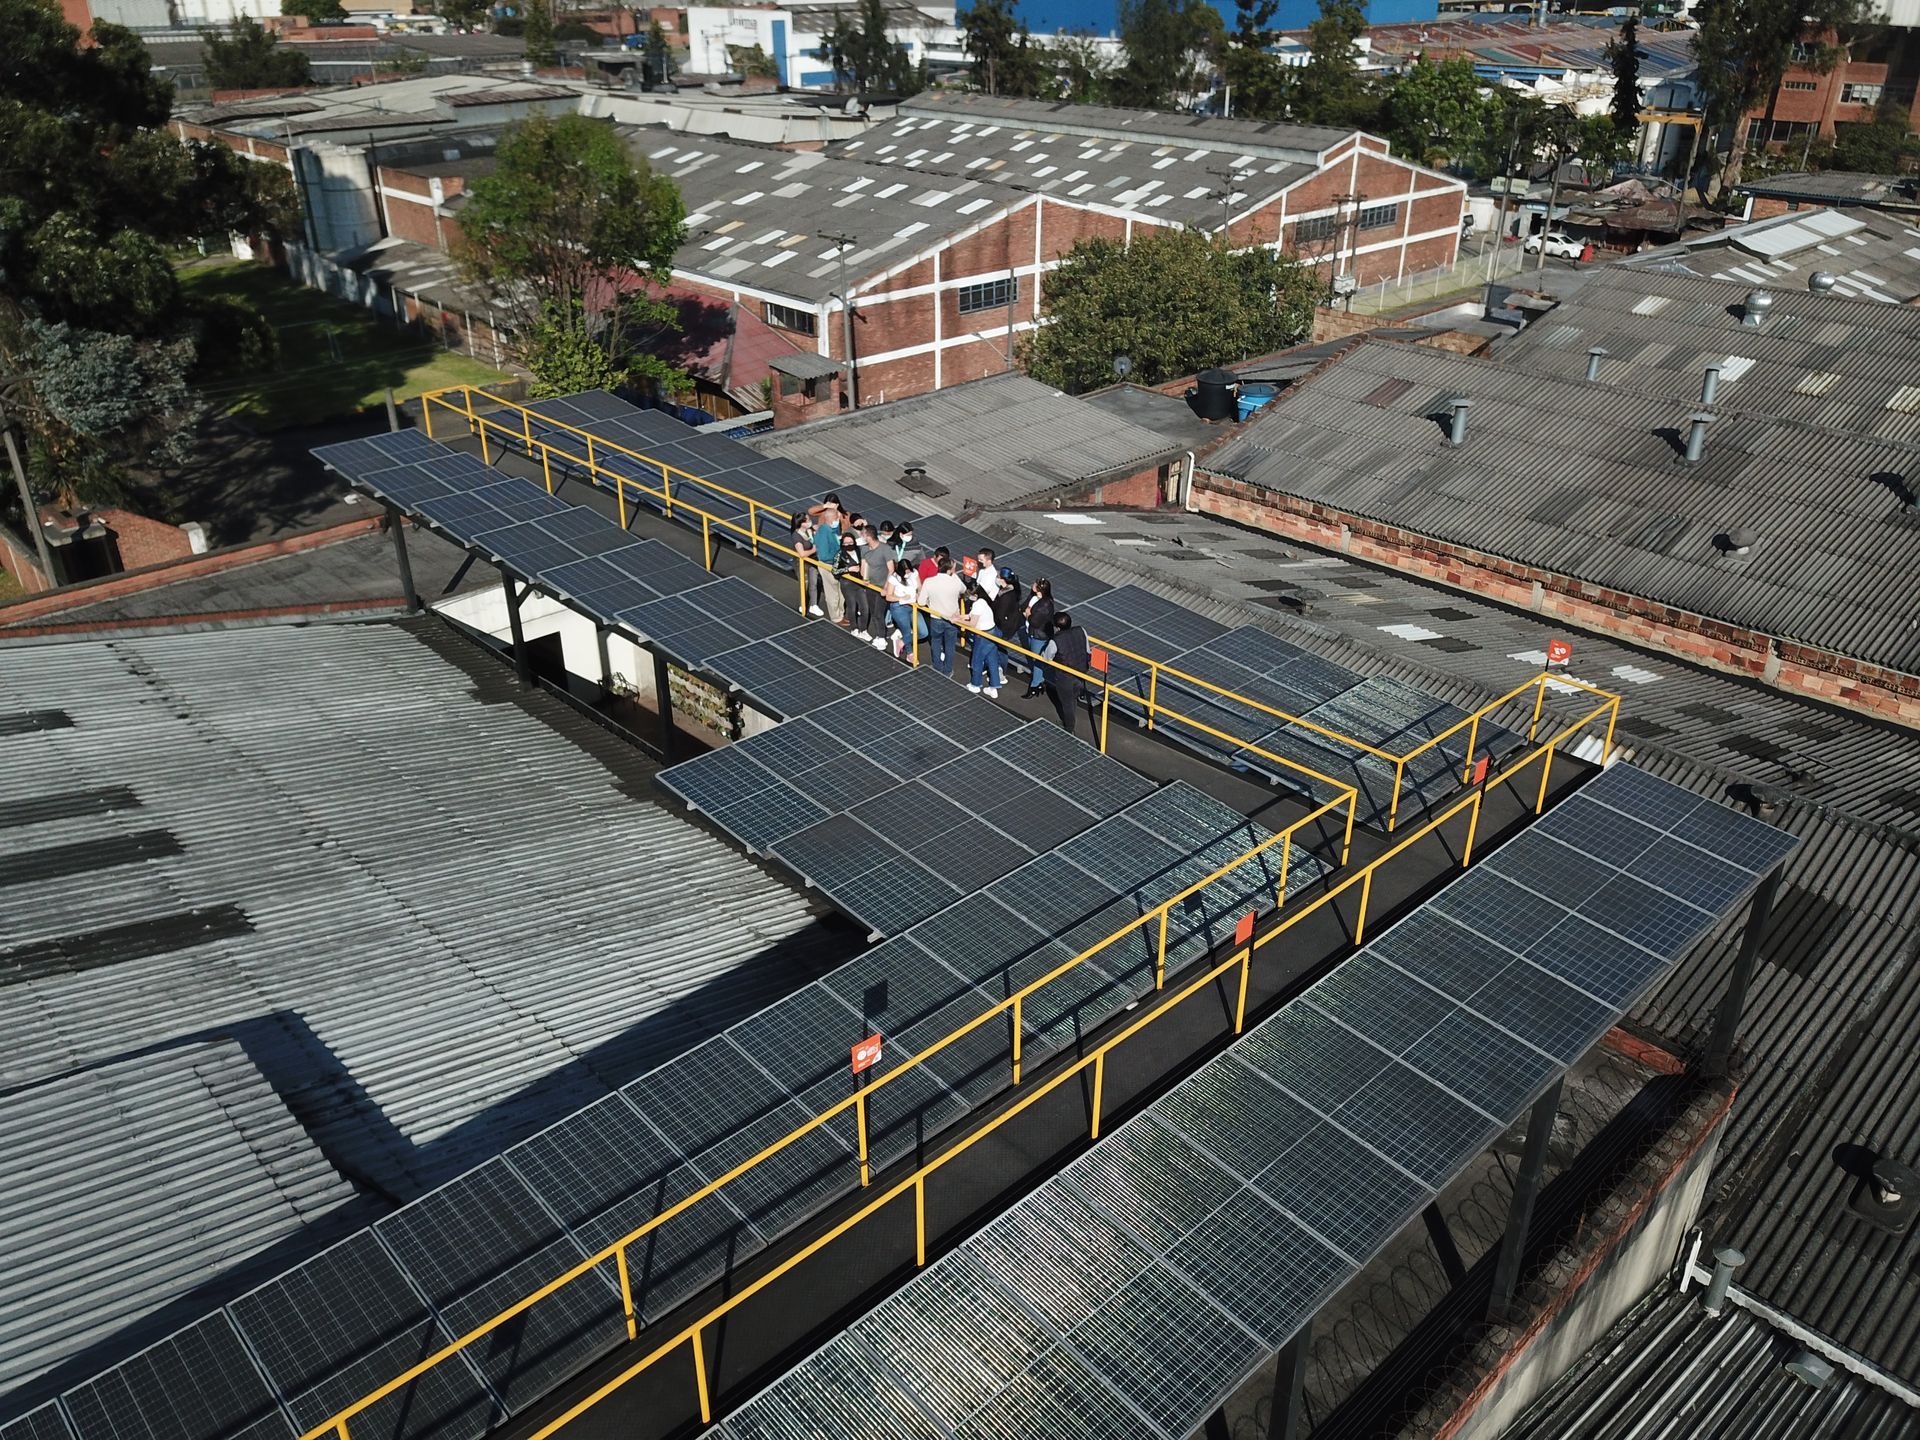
866, 1054
1559, 652
1243, 932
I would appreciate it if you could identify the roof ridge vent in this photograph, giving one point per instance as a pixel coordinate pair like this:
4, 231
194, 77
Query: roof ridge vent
1753, 313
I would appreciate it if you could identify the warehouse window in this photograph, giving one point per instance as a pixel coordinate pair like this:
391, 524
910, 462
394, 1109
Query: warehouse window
785, 317
993, 295
1854, 93
1378, 217
1320, 227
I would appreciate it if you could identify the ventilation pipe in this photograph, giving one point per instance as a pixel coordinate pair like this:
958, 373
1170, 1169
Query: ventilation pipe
1697, 436
1726, 1260
1753, 314
1457, 426
1710, 382
1594, 357
1810, 1370
914, 472
1821, 281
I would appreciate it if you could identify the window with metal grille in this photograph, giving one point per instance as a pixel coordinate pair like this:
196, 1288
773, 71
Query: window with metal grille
1319, 227
785, 317
993, 295
1378, 217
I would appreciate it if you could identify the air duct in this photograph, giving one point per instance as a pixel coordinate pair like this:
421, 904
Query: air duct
1457, 425
1710, 382
1697, 436
1594, 357
1726, 1260
1753, 313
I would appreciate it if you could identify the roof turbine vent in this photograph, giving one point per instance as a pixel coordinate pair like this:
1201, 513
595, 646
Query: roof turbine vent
1753, 313
1821, 281
1739, 540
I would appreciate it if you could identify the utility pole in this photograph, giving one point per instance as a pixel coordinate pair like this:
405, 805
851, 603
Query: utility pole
1226, 177
1500, 219
849, 385
1553, 199
29, 512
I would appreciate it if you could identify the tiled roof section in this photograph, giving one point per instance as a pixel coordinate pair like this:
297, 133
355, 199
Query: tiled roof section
1870, 255
1586, 481
757, 216
1272, 139
1828, 360
136, 1181
1173, 179
1669, 1368
991, 442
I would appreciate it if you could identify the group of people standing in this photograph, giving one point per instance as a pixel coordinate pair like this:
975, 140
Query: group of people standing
879, 583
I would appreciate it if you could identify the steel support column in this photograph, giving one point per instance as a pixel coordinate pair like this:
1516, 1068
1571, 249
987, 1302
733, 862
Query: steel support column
397, 528
520, 666
1726, 1025
663, 701
1290, 1386
1526, 1186
1443, 1245
1217, 1426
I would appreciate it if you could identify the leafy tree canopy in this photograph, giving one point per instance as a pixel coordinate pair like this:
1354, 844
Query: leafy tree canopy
1743, 47
97, 340
1082, 72
565, 237
864, 57
322, 10
537, 27
1438, 113
1624, 56
1173, 302
1006, 61
250, 58
465, 14
1167, 43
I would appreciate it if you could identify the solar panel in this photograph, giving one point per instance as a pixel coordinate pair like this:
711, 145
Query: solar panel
841, 1386
1058, 1255
596, 585
976, 779
789, 1185
853, 665
963, 1338
1042, 750
46, 1423
795, 749
1150, 1182
922, 692
1057, 1395
773, 679
1259, 1264
708, 1093
977, 1066
198, 1382
865, 874
902, 1115
1039, 818
802, 1039
527, 546
1070, 586
896, 984
1052, 894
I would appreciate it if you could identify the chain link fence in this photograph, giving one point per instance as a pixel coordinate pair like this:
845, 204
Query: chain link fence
1470, 274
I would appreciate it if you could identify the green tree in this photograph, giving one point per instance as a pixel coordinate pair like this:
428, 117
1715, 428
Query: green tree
465, 14
98, 343
537, 18
659, 55
568, 237
864, 57
1881, 147
1742, 49
1437, 113
1330, 89
1005, 59
1173, 302
318, 10
1164, 39
1624, 56
753, 62
1082, 72
249, 58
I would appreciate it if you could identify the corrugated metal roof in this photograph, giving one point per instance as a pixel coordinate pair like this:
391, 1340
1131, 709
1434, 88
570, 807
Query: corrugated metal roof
991, 442
1871, 255
1586, 481
1670, 1369
129, 1184
432, 910
1251, 137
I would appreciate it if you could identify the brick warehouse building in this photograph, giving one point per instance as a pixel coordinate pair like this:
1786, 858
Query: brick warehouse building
942, 221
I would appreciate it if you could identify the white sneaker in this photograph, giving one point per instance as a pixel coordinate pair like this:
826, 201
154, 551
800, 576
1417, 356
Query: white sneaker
861, 635
878, 643
991, 693
815, 610
973, 689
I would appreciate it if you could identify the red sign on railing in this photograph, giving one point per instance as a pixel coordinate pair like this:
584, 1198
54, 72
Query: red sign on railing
1559, 652
1480, 768
1243, 932
866, 1054
1097, 660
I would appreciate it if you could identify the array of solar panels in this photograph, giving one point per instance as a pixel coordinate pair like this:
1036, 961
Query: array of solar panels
1246, 660
1143, 1284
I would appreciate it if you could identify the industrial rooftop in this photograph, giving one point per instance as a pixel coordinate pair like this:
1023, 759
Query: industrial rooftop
1869, 255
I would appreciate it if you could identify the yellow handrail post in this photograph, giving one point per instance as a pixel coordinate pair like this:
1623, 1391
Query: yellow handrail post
546, 465
1246, 974
1153, 692
1353, 813
700, 1375
1160, 957
1539, 701
466, 393
914, 611
800, 570
706, 538
481, 426
1016, 1038
1099, 1083
526, 433
753, 529
426, 412
1286, 862
1473, 744
1393, 806
342, 1429
860, 1118
1366, 894
1106, 698
1546, 770
920, 1220
1613, 718
626, 1292
1473, 829
666, 490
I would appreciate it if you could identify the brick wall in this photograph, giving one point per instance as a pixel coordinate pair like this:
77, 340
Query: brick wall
1142, 490
1716, 644
143, 542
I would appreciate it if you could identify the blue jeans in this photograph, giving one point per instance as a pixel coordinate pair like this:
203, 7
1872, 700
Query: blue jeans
943, 635
986, 661
902, 618
1030, 641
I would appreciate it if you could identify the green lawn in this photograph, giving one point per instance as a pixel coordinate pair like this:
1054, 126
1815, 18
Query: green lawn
335, 358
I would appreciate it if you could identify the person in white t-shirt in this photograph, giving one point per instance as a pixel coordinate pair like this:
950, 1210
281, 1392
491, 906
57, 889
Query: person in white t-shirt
988, 675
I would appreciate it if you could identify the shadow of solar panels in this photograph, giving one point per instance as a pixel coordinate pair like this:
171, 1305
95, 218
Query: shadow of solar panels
198, 1382
605, 1171
345, 1323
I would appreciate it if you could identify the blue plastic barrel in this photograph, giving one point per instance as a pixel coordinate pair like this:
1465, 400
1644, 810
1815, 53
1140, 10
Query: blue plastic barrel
1253, 396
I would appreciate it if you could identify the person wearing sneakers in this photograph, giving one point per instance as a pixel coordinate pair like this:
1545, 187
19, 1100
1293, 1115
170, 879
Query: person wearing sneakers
1038, 631
903, 588
941, 597
803, 551
850, 570
987, 676
826, 545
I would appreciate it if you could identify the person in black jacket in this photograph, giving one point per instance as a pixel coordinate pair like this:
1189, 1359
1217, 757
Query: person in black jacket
1064, 686
1038, 631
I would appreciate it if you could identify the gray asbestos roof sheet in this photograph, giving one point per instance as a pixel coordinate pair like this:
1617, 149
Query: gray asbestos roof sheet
1253, 137
992, 442
145, 1178
1669, 1368
1869, 254
1829, 360
1586, 481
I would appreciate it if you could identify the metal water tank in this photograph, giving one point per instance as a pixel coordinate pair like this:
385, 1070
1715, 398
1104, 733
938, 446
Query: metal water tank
1213, 394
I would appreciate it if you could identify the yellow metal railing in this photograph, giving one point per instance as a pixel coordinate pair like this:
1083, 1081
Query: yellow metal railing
339, 1424
590, 449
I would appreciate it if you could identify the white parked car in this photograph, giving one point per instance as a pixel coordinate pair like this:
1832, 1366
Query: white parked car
1558, 243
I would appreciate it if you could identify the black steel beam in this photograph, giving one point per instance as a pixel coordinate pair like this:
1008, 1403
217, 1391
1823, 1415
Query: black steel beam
1718, 1059
397, 527
1526, 1186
